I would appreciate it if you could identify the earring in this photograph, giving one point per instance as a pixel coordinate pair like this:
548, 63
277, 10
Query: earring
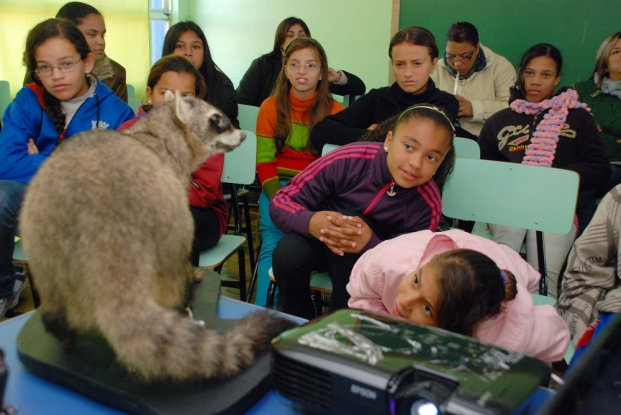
385, 148
149, 102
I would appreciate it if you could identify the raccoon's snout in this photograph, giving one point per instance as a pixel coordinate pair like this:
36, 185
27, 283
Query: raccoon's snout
219, 123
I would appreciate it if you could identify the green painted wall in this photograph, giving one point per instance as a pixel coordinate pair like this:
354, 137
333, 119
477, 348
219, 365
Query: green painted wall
355, 34
509, 27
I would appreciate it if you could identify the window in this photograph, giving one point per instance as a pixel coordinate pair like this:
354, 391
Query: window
159, 17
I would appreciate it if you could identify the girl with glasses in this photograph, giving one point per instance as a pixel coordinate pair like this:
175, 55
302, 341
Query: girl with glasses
479, 78
283, 125
260, 79
413, 54
548, 128
91, 23
63, 101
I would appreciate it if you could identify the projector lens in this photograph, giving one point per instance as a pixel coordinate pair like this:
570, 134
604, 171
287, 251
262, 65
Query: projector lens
423, 407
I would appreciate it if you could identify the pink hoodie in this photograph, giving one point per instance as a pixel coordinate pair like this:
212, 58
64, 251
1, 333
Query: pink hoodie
534, 330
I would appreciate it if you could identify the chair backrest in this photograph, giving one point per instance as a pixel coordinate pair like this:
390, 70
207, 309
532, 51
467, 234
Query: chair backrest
5, 96
241, 162
466, 148
519, 195
134, 104
131, 91
247, 117
328, 148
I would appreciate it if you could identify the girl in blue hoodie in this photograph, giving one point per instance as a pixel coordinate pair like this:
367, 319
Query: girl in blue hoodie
64, 99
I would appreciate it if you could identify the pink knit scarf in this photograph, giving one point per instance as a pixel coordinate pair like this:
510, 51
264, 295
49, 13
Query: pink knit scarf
542, 147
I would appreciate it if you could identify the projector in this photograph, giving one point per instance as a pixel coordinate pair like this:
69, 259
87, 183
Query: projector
359, 362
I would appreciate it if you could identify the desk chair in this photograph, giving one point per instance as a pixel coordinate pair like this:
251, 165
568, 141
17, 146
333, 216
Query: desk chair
5, 96
529, 197
320, 283
247, 117
466, 148
134, 104
349, 99
131, 91
239, 168
20, 257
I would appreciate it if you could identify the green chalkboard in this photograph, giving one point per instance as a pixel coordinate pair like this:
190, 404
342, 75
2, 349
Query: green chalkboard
509, 27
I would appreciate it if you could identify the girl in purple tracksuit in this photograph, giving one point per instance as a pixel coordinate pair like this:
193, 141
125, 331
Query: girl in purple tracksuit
355, 197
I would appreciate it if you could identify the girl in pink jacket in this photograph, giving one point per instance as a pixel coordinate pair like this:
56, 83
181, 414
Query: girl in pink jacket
462, 283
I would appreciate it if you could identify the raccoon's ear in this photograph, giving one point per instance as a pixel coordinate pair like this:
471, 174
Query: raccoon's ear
183, 110
168, 95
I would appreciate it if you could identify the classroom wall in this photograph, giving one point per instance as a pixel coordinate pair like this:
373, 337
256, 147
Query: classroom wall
509, 27
127, 41
354, 35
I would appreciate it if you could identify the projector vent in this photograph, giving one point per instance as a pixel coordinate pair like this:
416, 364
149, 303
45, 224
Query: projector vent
301, 382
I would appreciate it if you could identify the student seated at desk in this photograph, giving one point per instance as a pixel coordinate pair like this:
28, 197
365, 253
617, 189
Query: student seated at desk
547, 128
207, 204
592, 280
283, 149
63, 100
188, 39
91, 23
479, 78
259, 81
462, 283
353, 198
413, 53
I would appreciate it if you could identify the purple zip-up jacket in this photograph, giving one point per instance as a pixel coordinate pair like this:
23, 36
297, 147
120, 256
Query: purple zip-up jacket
355, 177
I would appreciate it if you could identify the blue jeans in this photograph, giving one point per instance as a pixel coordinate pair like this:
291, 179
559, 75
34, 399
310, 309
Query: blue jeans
270, 235
11, 197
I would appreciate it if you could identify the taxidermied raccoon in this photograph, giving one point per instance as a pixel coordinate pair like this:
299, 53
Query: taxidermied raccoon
108, 231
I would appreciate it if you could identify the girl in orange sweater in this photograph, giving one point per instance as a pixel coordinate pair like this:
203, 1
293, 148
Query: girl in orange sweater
300, 100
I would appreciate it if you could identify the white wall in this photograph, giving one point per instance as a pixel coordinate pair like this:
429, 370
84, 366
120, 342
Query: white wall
354, 33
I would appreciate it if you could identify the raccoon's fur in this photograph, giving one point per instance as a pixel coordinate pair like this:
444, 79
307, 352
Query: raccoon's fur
106, 225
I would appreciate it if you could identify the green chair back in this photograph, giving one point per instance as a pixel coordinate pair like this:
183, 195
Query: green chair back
134, 104
131, 91
466, 148
240, 163
247, 117
328, 148
5, 96
519, 195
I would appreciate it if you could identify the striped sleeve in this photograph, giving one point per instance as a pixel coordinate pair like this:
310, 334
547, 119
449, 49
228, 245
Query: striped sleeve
266, 147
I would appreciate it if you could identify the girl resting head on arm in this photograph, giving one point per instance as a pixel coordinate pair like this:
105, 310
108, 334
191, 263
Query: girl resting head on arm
462, 283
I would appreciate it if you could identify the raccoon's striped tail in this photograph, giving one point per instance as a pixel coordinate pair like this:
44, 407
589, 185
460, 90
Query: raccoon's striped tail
157, 343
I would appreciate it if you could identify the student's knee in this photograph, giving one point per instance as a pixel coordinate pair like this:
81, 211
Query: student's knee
11, 197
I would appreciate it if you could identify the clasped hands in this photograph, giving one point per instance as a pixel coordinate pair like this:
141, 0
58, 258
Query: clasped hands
341, 234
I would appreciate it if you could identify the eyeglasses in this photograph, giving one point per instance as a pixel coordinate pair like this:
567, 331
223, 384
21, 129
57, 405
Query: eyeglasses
46, 70
310, 67
459, 58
